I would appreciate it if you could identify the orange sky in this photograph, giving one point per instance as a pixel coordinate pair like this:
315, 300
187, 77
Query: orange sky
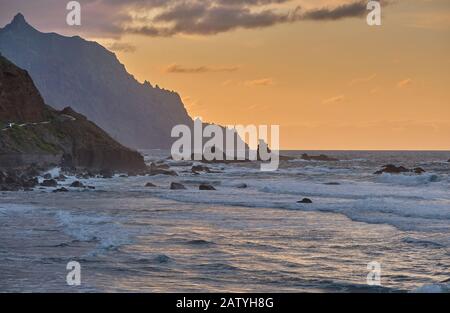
329, 84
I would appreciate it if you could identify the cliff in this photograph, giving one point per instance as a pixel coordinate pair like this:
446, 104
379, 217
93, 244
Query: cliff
33, 133
70, 71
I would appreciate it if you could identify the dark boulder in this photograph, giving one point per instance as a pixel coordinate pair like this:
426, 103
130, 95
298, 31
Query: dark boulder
77, 184
242, 186
200, 168
83, 176
62, 189
322, 158
154, 169
419, 170
206, 187
305, 201
49, 183
30, 183
61, 177
177, 186
106, 173
47, 176
150, 185
392, 169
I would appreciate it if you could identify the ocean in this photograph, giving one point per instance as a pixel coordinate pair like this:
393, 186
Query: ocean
131, 238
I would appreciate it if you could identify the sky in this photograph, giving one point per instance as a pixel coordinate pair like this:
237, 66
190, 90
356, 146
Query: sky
314, 67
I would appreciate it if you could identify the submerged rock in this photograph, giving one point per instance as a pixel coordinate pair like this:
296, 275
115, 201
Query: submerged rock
242, 186
306, 201
206, 187
177, 186
150, 185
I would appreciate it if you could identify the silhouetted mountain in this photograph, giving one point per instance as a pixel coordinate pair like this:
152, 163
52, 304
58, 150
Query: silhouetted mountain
70, 71
42, 135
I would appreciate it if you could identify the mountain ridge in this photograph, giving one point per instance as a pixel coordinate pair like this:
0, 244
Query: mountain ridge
71, 71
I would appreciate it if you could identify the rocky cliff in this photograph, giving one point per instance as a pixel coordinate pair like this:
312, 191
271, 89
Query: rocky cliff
33, 133
70, 71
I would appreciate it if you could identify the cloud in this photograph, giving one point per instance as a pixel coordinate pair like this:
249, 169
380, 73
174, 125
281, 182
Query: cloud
210, 17
121, 47
166, 18
260, 82
404, 83
178, 69
336, 99
363, 80
355, 9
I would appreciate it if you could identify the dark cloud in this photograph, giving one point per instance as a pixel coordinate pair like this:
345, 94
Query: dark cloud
166, 18
210, 17
343, 11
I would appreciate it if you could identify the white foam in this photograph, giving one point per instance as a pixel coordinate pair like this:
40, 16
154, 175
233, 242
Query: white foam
433, 288
105, 231
409, 179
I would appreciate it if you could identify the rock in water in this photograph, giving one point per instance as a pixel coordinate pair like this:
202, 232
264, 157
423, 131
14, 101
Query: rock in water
62, 189
419, 170
49, 183
206, 187
200, 168
150, 185
322, 158
106, 173
177, 186
392, 169
77, 184
305, 201
242, 186
154, 170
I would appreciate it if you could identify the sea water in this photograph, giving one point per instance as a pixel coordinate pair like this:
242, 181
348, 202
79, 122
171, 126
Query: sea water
127, 237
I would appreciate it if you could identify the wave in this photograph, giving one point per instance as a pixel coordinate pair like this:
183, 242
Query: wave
410, 208
409, 180
105, 232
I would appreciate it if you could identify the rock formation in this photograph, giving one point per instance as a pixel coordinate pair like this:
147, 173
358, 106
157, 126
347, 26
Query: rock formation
34, 133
